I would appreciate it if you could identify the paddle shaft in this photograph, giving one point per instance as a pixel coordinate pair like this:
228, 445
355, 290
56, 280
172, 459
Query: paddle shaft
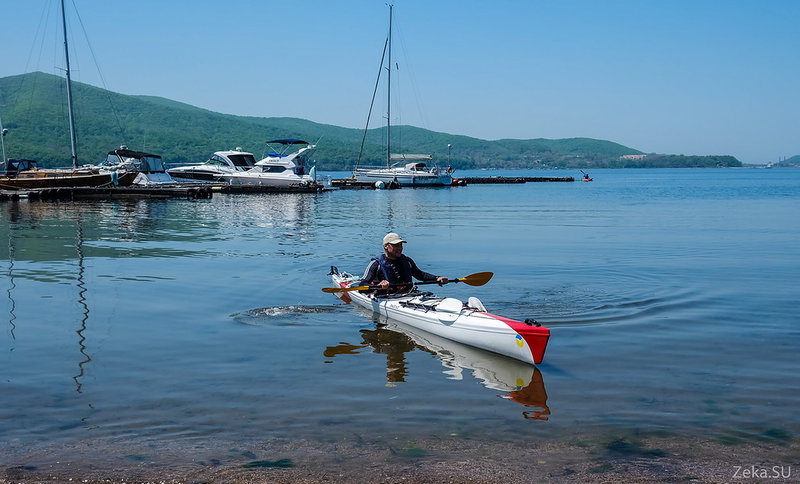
477, 279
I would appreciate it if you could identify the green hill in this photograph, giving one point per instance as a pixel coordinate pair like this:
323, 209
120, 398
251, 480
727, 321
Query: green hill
33, 108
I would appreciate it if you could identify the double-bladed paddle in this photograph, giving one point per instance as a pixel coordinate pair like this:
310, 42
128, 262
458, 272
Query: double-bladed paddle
477, 279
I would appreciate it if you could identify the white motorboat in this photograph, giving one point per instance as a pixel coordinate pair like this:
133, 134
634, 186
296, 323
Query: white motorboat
211, 170
470, 324
278, 168
400, 169
149, 168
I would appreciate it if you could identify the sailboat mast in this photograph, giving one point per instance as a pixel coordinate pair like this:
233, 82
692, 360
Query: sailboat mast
388, 97
72, 136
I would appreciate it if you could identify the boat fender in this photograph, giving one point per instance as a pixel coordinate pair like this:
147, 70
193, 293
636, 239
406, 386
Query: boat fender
476, 304
450, 305
378, 185
532, 322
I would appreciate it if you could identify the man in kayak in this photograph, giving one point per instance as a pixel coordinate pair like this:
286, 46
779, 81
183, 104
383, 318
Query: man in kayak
392, 271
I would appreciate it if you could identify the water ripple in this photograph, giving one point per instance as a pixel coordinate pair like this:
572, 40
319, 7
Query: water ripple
282, 315
613, 298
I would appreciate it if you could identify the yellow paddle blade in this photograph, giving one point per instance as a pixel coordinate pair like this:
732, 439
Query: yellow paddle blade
344, 289
477, 279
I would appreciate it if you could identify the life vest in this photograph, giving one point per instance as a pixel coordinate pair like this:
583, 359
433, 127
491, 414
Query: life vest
396, 271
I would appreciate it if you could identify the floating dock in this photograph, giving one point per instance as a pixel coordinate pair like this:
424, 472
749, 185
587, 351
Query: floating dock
199, 191
352, 184
193, 192
472, 180
310, 188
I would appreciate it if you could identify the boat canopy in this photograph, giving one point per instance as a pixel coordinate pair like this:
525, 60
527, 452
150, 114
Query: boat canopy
410, 157
147, 162
132, 154
16, 165
289, 141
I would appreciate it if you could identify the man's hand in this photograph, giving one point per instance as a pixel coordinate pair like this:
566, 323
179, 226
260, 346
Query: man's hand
442, 280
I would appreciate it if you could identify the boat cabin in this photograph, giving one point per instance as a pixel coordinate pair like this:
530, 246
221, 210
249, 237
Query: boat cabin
416, 167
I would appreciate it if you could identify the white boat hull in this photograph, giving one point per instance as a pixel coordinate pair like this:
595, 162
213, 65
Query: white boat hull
404, 179
450, 318
246, 178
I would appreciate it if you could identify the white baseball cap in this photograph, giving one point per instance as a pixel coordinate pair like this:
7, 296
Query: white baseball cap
392, 238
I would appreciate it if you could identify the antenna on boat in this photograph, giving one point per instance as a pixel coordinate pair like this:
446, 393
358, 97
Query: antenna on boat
72, 136
3, 133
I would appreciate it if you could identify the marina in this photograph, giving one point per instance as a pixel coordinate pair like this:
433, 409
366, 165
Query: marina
205, 190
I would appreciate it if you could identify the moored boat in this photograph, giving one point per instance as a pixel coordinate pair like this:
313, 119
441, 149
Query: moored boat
138, 167
401, 169
23, 174
470, 324
416, 173
279, 168
220, 163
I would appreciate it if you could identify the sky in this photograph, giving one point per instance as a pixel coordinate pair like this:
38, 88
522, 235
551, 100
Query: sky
692, 77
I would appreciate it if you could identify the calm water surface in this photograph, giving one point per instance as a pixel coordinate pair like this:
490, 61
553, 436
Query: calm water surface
671, 296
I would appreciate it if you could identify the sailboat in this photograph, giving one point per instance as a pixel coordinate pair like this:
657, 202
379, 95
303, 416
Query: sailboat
22, 174
402, 169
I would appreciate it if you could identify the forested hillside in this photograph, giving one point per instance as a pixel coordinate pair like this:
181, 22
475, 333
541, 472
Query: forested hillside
33, 108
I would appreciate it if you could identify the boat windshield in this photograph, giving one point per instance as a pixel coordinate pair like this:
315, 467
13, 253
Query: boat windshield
216, 160
245, 161
151, 164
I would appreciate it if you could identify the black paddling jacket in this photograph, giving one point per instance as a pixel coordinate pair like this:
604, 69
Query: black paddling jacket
398, 271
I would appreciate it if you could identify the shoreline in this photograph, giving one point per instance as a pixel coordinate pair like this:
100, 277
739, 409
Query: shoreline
425, 461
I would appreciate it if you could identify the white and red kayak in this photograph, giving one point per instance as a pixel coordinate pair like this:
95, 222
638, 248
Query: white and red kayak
450, 318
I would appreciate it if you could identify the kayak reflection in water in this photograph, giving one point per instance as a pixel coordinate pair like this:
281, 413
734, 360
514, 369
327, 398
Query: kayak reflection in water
393, 271
519, 382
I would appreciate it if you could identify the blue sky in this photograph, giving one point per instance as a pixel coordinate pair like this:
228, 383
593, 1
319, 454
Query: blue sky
683, 76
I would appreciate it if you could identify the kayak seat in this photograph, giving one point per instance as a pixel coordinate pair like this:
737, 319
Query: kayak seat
450, 305
476, 304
